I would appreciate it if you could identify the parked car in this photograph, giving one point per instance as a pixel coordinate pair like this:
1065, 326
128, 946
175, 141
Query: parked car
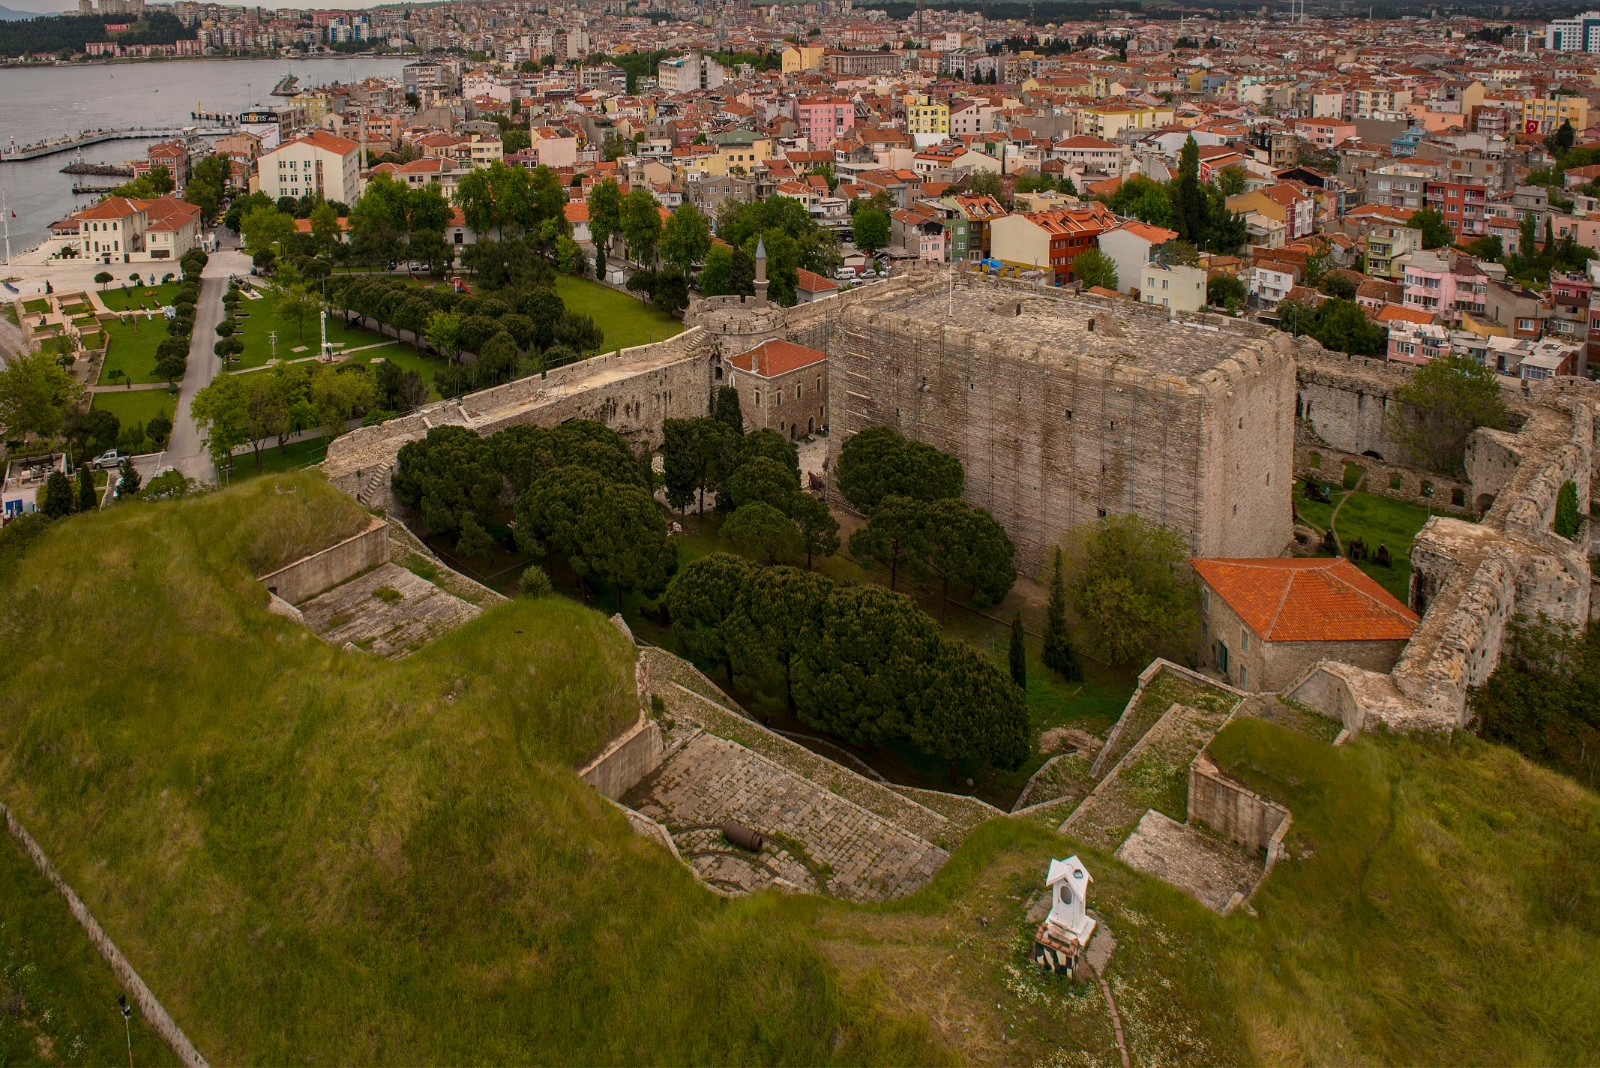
108, 460
415, 266
845, 274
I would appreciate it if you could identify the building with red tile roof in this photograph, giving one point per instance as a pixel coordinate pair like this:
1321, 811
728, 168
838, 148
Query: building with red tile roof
782, 386
1266, 620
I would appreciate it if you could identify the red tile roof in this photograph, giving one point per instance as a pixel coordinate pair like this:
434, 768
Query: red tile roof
1287, 599
774, 357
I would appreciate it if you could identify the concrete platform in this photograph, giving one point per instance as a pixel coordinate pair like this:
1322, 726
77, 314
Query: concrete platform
1195, 861
387, 611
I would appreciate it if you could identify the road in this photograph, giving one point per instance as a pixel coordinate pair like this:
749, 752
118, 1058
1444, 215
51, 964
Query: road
187, 451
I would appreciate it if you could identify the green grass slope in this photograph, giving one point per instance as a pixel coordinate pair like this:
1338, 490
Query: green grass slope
317, 856
58, 997
1443, 907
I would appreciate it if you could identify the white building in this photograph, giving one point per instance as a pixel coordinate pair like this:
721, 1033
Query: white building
318, 163
1176, 288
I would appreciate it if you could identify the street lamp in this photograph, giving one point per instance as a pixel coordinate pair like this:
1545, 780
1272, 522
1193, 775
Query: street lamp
127, 1026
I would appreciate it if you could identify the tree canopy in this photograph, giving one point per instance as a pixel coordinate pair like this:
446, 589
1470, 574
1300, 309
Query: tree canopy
879, 462
1440, 405
1131, 586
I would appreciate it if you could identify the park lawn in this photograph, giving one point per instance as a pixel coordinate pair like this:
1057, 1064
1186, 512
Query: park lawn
258, 319
75, 308
61, 994
129, 298
625, 320
37, 306
132, 349
291, 457
93, 339
10, 311
136, 405
1376, 520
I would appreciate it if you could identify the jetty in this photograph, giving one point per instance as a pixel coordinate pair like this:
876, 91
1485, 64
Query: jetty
72, 142
286, 86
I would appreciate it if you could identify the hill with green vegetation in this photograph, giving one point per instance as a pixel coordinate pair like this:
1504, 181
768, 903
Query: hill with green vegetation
311, 854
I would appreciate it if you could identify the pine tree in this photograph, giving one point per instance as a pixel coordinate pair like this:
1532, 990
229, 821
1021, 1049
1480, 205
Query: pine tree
1059, 655
474, 542
1019, 653
55, 500
86, 495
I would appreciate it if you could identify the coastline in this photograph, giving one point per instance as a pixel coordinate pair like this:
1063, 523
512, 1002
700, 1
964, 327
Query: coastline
108, 61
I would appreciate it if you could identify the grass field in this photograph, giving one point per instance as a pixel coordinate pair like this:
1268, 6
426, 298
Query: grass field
1376, 520
133, 349
258, 319
625, 320
120, 298
275, 461
313, 855
62, 994
136, 405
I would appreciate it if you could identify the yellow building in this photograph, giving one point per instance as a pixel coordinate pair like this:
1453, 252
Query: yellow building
797, 58
927, 117
1107, 123
1547, 113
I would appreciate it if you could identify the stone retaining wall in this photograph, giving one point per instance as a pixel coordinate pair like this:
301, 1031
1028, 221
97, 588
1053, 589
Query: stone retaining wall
310, 575
627, 760
154, 1012
1236, 813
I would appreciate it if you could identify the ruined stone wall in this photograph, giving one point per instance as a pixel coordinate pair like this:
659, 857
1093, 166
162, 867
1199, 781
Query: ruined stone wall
631, 391
627, 760
1343, 403
1049, 445
1325, 463
310, 575
1233, 811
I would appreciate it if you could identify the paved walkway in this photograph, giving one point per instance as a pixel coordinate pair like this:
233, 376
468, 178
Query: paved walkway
854, 853
186, 451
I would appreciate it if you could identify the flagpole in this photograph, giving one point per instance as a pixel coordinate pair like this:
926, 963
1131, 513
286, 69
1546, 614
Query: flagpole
7, 213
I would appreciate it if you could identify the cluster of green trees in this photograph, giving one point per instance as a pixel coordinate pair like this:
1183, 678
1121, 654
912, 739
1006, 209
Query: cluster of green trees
1439, 407
793, 241
1340, 325
485, 339
394, 221
580, 495
911, 493
754, 477
253, 409
1198, 211
1541, 701
861, 662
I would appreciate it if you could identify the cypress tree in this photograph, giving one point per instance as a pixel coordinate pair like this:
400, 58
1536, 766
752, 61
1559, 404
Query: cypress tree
86, 496
1019, 653
726, 409
1059, 655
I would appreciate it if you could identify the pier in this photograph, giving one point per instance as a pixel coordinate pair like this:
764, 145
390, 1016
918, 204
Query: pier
71, 143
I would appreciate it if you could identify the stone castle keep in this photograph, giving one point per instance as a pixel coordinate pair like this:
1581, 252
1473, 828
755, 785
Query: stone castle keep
1064, 408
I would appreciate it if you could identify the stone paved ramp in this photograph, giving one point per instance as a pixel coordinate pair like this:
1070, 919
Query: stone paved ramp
846, 849
409, 613
1195, 861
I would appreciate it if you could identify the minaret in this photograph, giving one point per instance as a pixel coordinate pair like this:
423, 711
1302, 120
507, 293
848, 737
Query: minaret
761, 272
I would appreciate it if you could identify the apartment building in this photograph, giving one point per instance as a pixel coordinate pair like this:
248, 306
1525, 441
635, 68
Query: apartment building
318, 164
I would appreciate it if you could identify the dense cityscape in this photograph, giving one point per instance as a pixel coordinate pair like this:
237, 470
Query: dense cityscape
624, 532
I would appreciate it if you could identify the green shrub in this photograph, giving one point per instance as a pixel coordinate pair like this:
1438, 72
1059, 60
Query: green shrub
1566, 520
535, 583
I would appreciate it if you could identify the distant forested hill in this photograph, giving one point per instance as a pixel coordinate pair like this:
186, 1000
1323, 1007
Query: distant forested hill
27, 34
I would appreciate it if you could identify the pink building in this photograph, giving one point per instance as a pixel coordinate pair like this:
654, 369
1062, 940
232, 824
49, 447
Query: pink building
1430, 285
824, 118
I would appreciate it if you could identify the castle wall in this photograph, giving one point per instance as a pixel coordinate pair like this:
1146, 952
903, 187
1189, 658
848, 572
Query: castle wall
1050, 444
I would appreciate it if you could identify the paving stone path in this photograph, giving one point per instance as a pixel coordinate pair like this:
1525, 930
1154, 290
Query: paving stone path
852, 852
388, 611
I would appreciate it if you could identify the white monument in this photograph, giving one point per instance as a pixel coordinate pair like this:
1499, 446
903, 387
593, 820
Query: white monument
1067, 928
